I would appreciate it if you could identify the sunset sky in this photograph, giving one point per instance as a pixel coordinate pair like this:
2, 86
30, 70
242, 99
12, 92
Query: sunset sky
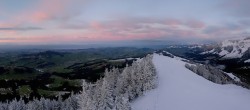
83, 21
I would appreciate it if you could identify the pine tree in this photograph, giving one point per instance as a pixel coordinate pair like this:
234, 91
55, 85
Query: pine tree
122, 102
107, 101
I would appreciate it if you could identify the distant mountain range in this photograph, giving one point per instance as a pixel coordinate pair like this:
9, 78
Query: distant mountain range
231, 49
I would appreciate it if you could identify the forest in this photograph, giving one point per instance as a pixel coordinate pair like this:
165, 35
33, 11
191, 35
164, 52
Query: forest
115, 90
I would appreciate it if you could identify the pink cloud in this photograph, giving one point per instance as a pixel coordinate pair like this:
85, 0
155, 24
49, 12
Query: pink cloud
96, 25
9, 32
126, 29
47, 10
7, 24
173, 22
118, 30
40, 16
195, 24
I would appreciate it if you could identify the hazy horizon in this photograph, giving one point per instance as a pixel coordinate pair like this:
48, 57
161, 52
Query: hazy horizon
136, 44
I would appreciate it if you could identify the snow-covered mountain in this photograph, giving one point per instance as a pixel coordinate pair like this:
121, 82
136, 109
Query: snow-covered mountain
233, 48
181, 89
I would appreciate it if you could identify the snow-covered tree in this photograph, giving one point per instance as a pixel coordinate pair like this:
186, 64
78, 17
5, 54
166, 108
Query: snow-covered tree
122, 102
17, 105
117, 88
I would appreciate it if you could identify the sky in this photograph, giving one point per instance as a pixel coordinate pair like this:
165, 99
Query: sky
88, 21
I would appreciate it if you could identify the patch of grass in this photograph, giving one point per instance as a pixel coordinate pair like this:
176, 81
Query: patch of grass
75, 83
59, 81
59, 69
17, 76
46, 93
24, 90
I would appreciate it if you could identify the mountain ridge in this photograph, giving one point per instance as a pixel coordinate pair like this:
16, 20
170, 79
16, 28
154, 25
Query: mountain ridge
231, 49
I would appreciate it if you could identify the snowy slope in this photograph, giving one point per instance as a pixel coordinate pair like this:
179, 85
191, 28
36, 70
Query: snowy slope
180, 89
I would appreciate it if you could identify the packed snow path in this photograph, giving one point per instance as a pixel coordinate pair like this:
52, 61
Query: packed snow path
181, 89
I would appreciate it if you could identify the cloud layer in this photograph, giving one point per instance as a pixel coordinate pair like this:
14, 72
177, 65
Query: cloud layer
79, 21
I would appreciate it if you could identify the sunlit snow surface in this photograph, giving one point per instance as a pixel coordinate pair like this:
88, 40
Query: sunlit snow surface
181, 89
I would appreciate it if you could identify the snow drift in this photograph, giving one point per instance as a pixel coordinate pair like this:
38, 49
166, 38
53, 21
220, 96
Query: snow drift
181, 89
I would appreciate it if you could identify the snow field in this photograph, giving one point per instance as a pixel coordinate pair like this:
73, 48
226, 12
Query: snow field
181, 89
